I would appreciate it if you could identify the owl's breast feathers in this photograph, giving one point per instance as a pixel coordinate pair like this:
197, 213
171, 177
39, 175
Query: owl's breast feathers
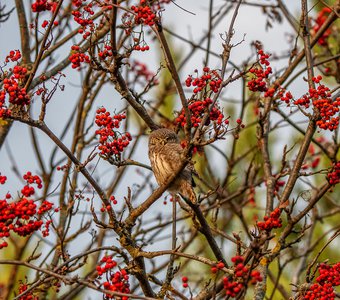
166, 161
162, 165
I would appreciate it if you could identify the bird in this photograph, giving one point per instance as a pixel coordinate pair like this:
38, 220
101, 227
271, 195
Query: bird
165, 154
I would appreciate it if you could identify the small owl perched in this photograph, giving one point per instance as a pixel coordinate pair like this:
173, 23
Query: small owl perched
165, 156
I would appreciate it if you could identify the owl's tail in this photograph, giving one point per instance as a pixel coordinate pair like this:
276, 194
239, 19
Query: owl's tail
188, 192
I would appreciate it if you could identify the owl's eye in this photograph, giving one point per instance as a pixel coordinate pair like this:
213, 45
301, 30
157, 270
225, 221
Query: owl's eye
169, 139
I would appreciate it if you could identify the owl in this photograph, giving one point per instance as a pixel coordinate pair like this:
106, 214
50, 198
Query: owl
165, 156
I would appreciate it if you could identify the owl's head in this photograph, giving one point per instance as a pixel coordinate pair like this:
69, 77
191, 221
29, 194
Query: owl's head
163, 136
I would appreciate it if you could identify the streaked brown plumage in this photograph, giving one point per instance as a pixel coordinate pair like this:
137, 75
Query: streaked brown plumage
165, 156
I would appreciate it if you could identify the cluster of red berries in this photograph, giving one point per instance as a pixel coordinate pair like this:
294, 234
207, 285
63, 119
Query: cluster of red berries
117, 281
218, 266
105, 208
112, 143
324, 287
330, 274
83, 18
334, 175
144, 14
14, 55
198, 108
322, 292
271, 221
185, 280
46, 231
18, 217
141, 48
76, 58
235, 284
287, 97
113, 200
320, 19
142, 72
41, 5
3, 179
328, 109
79, 18
139, 43
29, 295
106, 52
33, 179
11, 87
104, 119
77, 3
40, 91
28, 190
261, 74
19, 72
46, 22
44, 207
210, 78
109, 264
63, 167
321, 99
22, 217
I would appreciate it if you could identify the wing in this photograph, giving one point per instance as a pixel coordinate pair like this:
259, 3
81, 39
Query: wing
177, 157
